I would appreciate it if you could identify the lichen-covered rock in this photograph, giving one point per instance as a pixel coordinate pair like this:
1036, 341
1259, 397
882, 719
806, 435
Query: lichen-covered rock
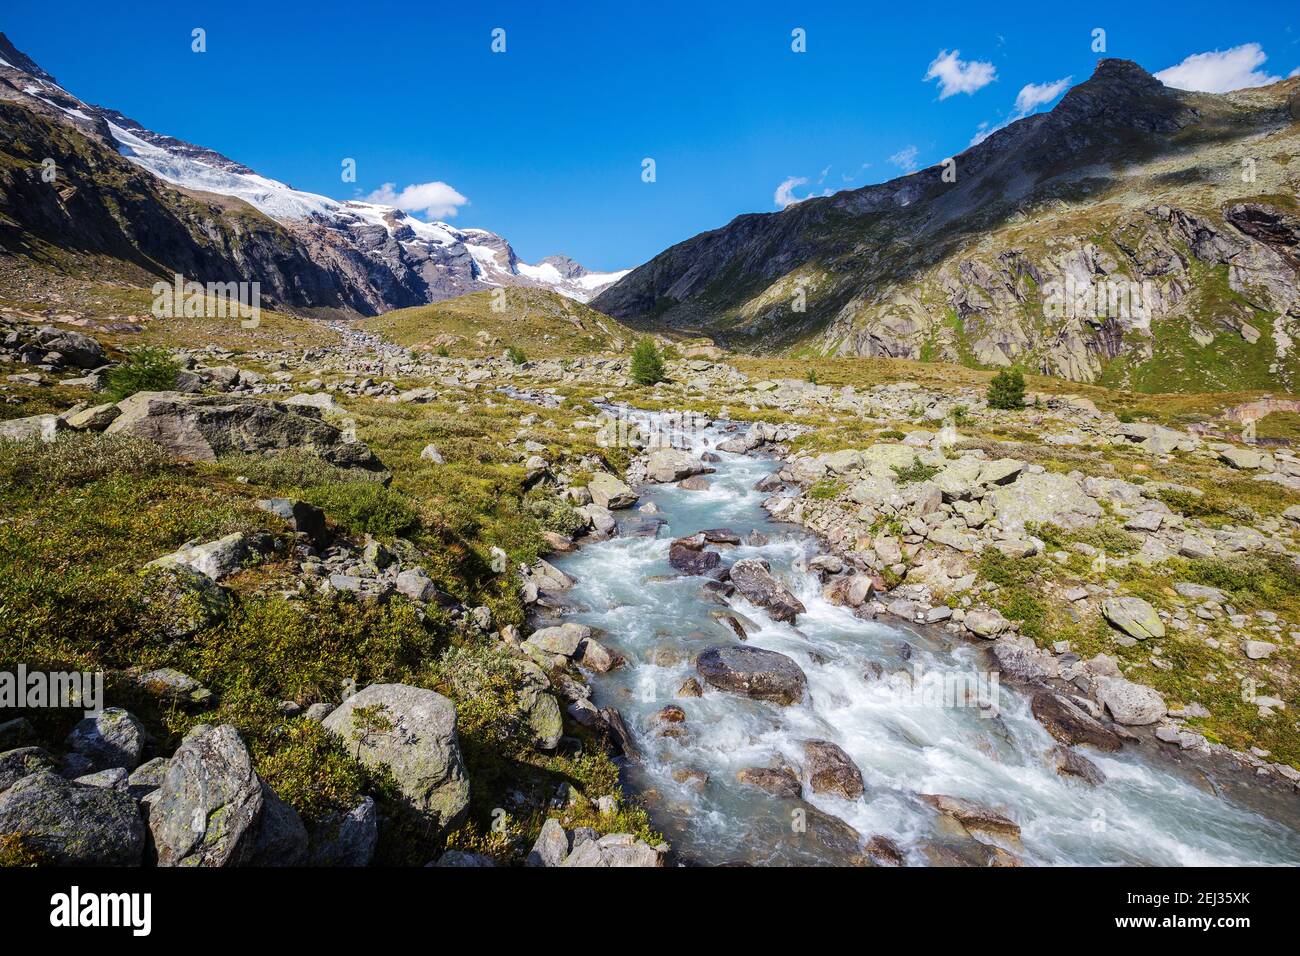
346, 839
71, 824
412, 731
1129, 703
1134, 616
111, 738
753, 578
208, 808
607, 491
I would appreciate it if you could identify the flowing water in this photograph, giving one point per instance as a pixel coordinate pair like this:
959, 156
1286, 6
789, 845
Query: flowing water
1146, 812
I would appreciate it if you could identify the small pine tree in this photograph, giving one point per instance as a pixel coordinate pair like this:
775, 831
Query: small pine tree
516, 355
145, 370
647, 363
1007, 390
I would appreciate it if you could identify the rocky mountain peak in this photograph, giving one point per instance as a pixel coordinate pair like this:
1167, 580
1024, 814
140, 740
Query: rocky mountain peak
19, 60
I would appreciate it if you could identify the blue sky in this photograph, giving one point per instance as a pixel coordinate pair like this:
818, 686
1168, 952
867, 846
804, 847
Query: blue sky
546, 140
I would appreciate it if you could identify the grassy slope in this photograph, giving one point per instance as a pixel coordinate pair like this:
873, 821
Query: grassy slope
543, 323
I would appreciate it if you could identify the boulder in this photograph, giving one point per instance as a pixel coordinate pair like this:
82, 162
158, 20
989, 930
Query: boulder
689, 556
204, 427
188, 600
71, 824
111, 738
1071, 724
23, 762
210, 803
1047, 497
171, 685
778, 781
346, 839
94, 419
667, 465
1071, 764
299, 516
1134, 616
563, 639
37, 427
217, 559
753, 672
412, 731
1129, 703
986, 622
77, 349
753, 578
281, 835
830, 770
551, 846
607, 491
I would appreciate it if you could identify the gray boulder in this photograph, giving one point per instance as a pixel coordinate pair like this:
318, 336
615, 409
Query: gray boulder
412, 731
347, 839
607, 491
111, 738
70, 824
753, 578
1129, 703
753, 672
281, 836
204, 427
207, 810
671, 464
23, 762
551, 847
1134, 616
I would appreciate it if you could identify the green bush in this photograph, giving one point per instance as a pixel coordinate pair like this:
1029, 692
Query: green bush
647, 363
145, 370
1007, 390
364, 506
915, 472
516, 355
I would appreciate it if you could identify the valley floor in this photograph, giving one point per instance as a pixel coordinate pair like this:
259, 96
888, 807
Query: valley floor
277, 592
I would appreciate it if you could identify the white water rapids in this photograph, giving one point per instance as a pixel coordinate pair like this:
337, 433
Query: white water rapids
1147, 812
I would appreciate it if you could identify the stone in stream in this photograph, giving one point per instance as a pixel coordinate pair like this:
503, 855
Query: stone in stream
885, 851
753, 672
753, 578
689, 556
619, 737
667, 465
971, 815
831, 770
694, 483
1071, 724
1071, 764
690, 688
778, 781
720, 536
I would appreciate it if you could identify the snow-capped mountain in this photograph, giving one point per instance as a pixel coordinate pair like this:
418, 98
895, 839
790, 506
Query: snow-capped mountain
393, 258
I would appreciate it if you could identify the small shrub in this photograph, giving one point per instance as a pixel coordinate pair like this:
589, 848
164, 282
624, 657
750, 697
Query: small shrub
647, 363
145, 370
825, 490
915, 472
1007, 390
891, 434
365, 506
811, 376
516, 355
76, 459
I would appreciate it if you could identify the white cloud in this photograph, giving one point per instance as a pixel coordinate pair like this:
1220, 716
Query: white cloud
1030, 97
956, 75
436, 200
905, 158
1294, 73
1034, 95
785, 196
1219, 71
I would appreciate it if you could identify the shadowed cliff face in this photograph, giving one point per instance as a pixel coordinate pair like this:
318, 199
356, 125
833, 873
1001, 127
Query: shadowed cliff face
1125, 187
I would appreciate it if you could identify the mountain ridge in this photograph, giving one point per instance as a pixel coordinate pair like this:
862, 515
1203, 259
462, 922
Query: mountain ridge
376, 257
919, 266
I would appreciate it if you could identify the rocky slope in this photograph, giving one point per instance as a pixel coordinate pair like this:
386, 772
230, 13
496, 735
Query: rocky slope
1135, 235
125, 192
